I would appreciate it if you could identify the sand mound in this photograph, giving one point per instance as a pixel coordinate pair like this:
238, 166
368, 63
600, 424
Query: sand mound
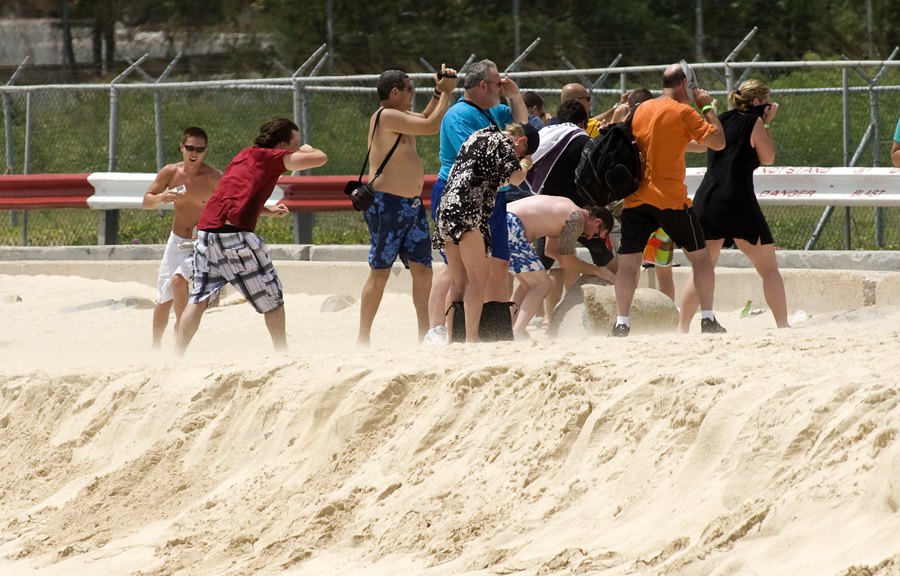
755, 452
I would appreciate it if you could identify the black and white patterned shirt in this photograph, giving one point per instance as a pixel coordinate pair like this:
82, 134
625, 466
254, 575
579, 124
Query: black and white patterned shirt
484, 164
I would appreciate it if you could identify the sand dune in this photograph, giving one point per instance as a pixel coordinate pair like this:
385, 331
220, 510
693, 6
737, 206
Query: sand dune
759, 452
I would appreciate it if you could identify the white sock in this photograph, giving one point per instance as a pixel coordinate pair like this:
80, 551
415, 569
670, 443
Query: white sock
623, 320
707, 314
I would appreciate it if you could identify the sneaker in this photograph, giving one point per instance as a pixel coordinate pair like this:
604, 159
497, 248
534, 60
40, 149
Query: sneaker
711, 326
619, 331
436, 336
521, 336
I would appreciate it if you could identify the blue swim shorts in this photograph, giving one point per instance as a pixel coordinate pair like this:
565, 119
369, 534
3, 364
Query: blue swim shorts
397, 227
499, 233
522, 256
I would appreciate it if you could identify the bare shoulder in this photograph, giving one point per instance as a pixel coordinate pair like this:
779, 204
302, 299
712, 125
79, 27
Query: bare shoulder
210, 171
169, 170
166, 175
211, 176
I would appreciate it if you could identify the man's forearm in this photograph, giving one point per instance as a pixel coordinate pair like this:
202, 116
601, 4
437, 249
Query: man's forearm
518, 109
572, 262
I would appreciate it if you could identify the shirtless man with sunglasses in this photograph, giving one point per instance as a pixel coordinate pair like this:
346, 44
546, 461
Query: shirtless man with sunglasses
188, 184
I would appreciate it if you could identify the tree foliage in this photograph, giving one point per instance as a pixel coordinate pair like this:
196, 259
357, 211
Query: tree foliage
374, 35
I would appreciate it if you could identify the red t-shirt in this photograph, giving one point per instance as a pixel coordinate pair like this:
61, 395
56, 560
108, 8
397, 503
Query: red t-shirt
246, 185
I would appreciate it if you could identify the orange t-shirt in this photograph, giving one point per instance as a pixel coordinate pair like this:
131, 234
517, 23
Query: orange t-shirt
663, 128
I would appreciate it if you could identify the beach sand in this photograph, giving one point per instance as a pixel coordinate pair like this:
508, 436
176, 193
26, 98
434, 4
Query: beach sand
758, 452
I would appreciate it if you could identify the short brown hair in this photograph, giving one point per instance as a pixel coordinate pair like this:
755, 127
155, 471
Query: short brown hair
193, 132
604, 214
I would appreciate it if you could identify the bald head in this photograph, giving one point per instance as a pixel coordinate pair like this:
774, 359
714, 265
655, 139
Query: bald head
573, 92
673, 76
576, 92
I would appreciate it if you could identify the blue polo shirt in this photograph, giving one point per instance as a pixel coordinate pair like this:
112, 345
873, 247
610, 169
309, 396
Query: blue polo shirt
460, 122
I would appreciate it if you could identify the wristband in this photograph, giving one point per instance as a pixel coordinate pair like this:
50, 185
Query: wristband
436, 95
525, 165
707, 107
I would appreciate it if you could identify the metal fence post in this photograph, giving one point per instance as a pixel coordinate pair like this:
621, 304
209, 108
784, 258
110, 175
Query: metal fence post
108, 220
7, 117
158, 114
876, 147
108, 233
302, 222
729, 71
10, 150
829, 210
27, 166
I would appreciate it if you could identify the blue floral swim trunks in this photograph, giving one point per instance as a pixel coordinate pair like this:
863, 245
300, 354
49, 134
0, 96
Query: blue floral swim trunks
397, 227
522, 256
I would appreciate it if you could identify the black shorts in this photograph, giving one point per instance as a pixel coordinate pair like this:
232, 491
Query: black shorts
640, 222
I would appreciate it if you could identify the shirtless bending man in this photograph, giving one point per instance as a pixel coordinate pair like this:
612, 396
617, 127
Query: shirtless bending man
562, 222
199, 180
397, 221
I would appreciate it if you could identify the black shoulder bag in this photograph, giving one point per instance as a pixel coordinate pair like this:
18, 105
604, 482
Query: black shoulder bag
362, 195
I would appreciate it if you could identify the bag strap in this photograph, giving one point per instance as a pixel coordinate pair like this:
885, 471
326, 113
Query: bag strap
630, 115
369, 151
483, 111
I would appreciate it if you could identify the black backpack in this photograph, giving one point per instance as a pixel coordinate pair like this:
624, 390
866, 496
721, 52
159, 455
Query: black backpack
611, 166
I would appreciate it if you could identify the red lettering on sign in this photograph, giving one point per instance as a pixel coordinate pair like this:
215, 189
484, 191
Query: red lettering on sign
786, 193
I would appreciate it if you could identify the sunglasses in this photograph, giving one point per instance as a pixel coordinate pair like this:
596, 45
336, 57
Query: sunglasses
197, 149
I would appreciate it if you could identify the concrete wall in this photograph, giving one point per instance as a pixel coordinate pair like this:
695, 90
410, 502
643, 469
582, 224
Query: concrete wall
817, 281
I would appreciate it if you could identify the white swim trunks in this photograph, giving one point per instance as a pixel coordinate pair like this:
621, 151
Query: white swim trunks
177, 259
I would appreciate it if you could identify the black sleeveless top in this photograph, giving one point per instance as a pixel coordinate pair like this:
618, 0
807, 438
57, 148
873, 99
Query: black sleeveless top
725, 201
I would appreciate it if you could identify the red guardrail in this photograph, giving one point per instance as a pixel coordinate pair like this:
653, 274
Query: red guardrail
301, 193
42, 191
326, 193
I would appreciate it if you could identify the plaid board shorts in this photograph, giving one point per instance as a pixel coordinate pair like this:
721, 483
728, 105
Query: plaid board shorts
240, 259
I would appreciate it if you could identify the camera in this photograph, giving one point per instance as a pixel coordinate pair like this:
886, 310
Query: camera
361, 195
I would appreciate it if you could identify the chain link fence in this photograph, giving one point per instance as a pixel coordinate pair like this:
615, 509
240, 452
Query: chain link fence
831, 114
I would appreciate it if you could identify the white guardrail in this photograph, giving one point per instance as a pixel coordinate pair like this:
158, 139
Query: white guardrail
122, 190
811, 186
775, 185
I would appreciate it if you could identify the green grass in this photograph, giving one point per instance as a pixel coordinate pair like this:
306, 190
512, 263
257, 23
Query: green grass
70, 134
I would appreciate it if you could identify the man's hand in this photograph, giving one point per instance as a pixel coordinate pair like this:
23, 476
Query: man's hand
604, 274
279, 211
701, 97
168, 196
448, 80
508, 88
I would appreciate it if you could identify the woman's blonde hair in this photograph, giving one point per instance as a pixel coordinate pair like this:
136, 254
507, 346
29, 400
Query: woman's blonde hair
515, 130
742, 98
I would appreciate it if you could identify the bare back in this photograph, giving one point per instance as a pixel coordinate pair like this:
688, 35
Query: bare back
549, 216
403, 175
